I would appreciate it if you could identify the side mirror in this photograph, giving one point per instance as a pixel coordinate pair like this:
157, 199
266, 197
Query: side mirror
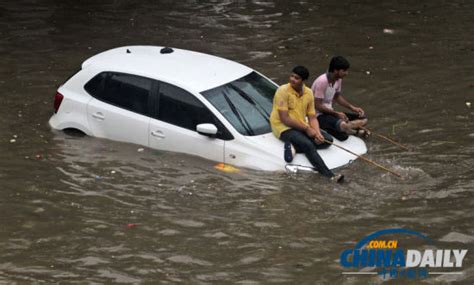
209, 130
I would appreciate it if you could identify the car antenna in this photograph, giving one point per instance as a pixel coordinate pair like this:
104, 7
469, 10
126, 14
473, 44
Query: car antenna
166, 50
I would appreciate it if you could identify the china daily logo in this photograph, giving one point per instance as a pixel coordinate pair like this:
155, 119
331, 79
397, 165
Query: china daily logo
388, 257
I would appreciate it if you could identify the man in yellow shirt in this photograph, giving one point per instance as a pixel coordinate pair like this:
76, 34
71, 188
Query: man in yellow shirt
292, 104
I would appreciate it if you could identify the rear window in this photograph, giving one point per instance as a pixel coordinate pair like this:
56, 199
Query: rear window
127, 91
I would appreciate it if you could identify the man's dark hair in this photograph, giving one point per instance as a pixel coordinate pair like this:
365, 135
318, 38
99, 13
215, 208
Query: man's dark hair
338, 63
301, 71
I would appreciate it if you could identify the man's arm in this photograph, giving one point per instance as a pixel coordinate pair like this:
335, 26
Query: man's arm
343, 102
313, 122
318, 104
288, 121
323, 109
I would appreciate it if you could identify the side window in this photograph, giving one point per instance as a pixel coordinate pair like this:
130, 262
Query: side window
127, 91
95, 86
180, 108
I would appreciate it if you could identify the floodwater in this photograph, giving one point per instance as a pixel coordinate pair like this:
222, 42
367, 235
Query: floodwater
82, 209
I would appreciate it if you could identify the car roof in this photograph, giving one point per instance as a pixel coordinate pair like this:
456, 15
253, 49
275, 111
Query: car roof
193, 70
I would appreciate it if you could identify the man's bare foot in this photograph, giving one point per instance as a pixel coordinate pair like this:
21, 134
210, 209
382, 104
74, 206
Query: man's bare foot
338, 178
363, 133
357, 124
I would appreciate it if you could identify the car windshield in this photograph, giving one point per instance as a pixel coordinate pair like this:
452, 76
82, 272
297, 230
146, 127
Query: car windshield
246, 103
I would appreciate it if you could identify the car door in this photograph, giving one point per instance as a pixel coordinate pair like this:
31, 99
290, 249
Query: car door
120, 108
173, 127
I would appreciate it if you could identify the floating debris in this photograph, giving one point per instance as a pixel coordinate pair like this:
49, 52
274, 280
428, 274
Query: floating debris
398, 125
226, 168
388, 31
131, 226
457, 237
367, 72
13, 140
140, 149
113, 172
468, 104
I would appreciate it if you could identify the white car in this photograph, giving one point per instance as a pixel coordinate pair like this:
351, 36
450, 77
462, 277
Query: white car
181, 101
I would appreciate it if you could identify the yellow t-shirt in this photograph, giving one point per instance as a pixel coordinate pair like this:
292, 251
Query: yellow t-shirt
298, 107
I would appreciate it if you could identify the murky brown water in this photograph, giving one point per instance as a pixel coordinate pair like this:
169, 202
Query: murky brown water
66, 201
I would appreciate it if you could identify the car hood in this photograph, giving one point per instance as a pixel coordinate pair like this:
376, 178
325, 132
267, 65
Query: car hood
270, 148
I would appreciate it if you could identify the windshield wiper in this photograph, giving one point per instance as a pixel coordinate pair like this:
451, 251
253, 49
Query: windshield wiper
236, 112
259, 108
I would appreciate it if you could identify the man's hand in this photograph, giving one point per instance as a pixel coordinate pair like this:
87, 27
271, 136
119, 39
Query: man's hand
359, 111
315, 134
319, 138
342, 116
310, 132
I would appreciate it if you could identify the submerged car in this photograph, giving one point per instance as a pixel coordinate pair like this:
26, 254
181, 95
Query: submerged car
181, 101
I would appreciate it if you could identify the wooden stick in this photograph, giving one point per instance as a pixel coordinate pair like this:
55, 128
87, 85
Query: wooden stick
387, 139
366, 159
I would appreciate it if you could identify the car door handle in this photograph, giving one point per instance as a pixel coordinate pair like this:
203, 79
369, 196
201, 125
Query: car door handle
158, 134
98, 116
